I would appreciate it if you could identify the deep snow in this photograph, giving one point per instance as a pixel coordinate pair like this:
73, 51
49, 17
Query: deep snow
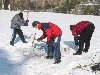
23, 59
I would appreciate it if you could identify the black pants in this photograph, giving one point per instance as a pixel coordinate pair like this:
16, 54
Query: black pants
19, 32
85, 37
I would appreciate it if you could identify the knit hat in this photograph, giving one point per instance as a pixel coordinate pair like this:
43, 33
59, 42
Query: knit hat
21, 15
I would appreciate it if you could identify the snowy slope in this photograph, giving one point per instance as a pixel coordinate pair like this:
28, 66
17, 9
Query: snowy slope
23, 59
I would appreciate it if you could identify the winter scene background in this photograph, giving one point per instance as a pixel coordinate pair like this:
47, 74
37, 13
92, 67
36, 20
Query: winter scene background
25, 59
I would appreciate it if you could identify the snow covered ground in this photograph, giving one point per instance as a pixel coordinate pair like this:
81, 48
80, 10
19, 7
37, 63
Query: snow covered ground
23, 59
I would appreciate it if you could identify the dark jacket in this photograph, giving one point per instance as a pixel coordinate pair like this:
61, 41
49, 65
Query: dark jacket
16, 22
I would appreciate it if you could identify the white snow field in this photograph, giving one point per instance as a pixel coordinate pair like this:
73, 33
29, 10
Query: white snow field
23, 59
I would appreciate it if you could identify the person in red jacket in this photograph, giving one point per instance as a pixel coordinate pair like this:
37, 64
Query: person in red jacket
85, 29
53, 34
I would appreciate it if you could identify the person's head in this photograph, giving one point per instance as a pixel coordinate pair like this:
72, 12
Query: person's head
35, 24
20, 15
71, 27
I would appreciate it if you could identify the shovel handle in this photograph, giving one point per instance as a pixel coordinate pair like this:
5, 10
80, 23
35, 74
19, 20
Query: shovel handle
69, 47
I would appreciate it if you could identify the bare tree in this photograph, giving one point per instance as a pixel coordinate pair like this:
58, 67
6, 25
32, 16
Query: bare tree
7, 2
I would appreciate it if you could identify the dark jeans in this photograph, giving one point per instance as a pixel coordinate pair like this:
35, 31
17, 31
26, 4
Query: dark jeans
19, 32
85, 37
54, 47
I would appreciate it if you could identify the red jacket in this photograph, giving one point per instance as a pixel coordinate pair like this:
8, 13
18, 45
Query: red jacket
79, 27
54, 29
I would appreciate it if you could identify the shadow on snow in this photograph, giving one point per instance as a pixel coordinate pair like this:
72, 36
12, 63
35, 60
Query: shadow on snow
39, 50
71, 43
18, 38
41, 46
6, 67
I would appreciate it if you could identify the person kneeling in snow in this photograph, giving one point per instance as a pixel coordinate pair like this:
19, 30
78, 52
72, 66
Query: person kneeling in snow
85, 29
53, 34
16, 22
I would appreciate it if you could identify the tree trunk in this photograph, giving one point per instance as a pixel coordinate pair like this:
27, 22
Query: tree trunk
7, 2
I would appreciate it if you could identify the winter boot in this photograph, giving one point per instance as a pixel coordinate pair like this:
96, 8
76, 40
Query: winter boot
77, 53
11, 43
49, 57
85, 50
25, 42
57, 62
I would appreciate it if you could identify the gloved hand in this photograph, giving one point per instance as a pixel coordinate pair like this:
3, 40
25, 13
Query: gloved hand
39, 39
27, 21
48, 42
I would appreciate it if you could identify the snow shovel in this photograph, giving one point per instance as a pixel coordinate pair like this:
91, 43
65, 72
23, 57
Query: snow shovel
69, 47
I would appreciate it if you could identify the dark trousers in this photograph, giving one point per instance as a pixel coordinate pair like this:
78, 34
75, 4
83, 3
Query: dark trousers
85, 37
19, 32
